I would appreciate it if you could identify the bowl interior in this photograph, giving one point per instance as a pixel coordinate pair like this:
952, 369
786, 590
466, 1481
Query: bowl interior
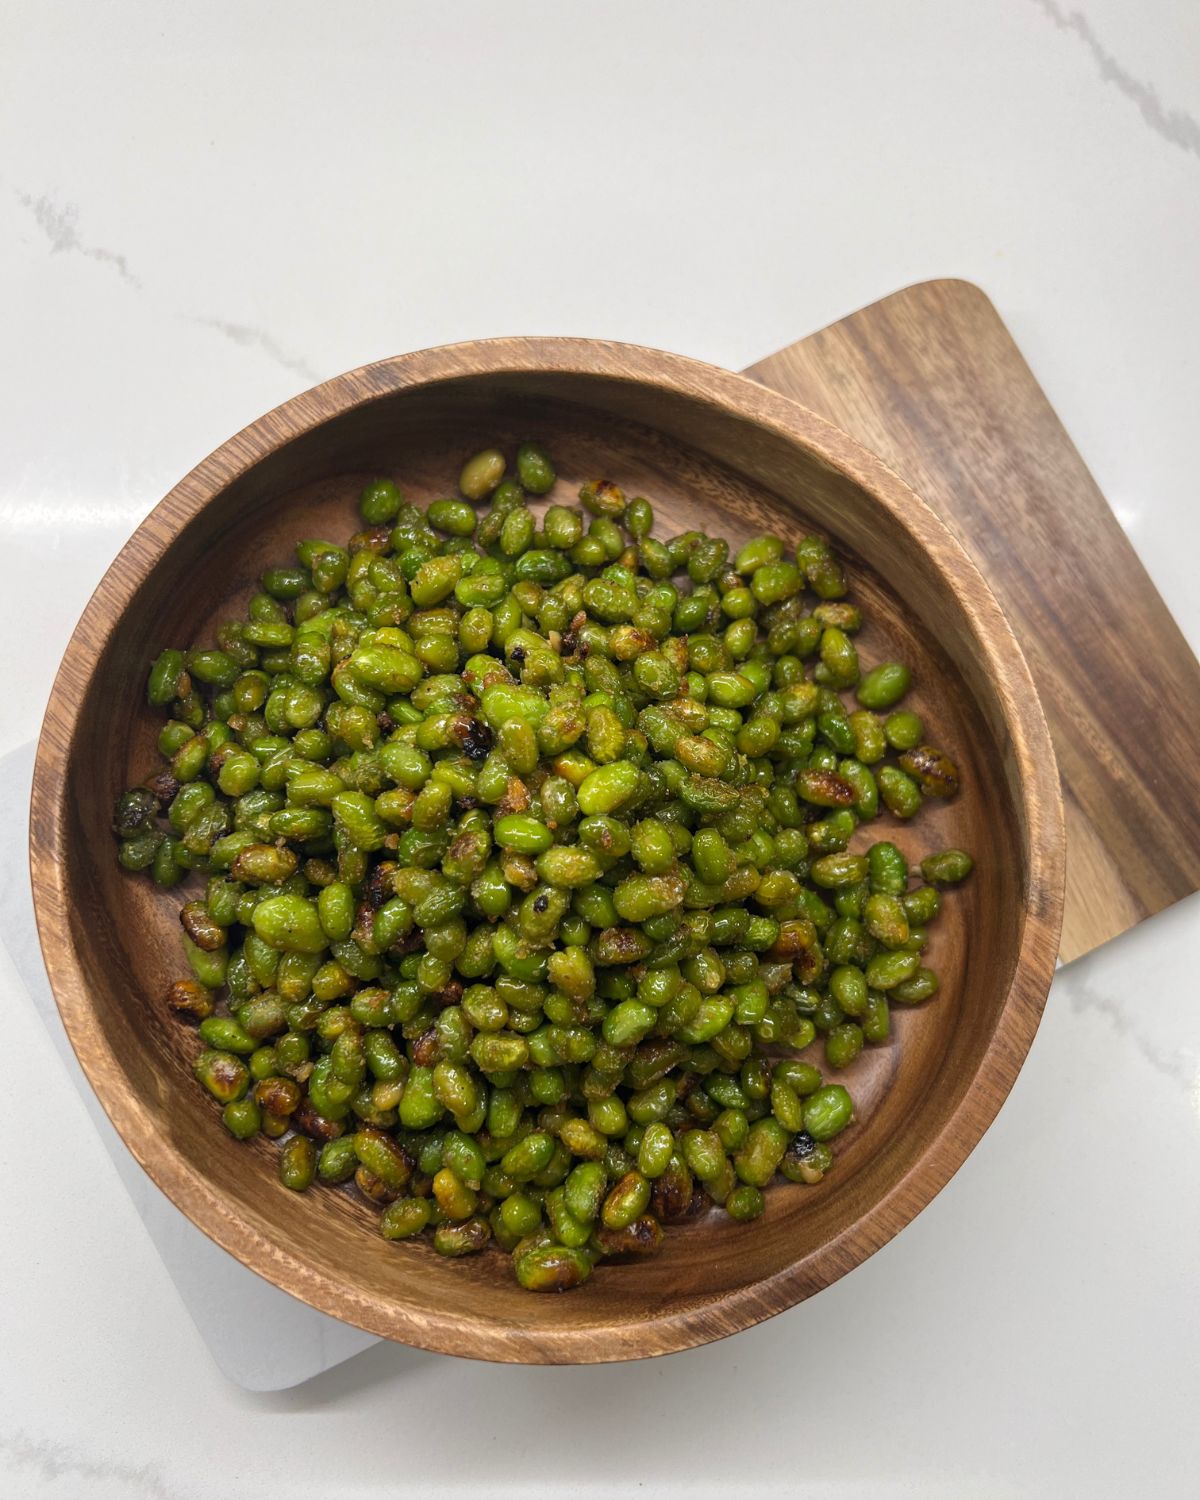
702, 465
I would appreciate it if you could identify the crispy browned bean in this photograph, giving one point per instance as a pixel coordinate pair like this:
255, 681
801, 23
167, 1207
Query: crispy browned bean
200, 927
641, 1238
933, 770
188, 998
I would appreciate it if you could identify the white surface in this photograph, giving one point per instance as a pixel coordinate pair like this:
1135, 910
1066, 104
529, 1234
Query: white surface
203, 210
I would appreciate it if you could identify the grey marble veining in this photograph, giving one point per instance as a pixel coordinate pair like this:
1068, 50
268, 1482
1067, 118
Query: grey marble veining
259, 338
1172, 123
57, 1465
60, 224
1177, 1065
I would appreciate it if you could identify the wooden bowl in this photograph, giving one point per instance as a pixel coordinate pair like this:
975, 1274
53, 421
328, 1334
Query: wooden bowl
711, 450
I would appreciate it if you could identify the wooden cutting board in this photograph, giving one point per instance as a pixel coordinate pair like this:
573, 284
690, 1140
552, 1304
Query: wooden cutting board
931, 380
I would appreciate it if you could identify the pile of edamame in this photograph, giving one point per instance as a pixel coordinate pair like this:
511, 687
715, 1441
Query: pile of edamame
521, 860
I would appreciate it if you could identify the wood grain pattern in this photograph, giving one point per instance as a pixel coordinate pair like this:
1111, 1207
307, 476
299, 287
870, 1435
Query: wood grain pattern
711, 449
931, 380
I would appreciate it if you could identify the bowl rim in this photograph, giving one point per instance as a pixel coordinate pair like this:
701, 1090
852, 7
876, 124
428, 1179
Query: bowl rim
1029, 744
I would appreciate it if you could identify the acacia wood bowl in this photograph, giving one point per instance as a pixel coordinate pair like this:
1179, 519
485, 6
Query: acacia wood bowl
711, 450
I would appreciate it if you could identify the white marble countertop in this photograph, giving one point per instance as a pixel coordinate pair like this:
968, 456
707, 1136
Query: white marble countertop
205, 209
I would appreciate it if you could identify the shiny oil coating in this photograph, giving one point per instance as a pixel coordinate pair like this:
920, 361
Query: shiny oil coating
535, 1026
